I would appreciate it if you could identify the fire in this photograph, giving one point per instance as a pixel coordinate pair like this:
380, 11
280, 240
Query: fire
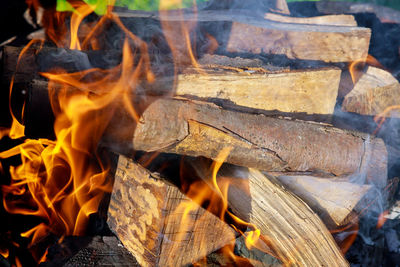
62, 182
211, 192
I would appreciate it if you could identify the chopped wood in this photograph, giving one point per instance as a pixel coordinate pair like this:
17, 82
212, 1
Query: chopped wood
383, 101
245, 32
308, 91
146, 215
300, 41
333, 200
202, 129
281, 7
376, 91
196, 128
288, 226
333, 20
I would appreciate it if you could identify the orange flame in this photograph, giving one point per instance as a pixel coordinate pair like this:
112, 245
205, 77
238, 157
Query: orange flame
356, 66
211, 192
62, 182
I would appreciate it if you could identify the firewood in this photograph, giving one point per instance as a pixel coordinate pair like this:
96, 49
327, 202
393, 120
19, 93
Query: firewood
146, 214
333, 200
333, 20
282, 7
246, 32
299, 41
305, 92
373, 93
271, 144
197, 128
308, 91
38, 59
288, 226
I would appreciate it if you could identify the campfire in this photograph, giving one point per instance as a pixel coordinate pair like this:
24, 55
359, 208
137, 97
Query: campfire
179, 133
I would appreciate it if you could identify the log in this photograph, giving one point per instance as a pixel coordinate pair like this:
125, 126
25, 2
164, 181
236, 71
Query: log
302, 91
196, 128
373, 93
300, 41
333, 200
240, 32
271, 144
311, 91
43, 59
147, 216
333, 20
288, 226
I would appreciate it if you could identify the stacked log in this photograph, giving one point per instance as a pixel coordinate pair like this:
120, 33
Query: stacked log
230, 101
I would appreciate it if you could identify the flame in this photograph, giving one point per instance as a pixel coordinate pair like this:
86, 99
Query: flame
211, 192
356, 67
62, 182
4, 252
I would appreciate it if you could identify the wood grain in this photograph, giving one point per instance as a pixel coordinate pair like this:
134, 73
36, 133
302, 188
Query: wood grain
147, 215
337, 20
295, 234
375, 91
333, 200
308, 91
299, 41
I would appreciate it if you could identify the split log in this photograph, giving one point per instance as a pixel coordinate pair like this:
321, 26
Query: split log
373, 93
299, 41
288, 226
308, 91
147, 215
333, 200
270, 144
382, 101
281, 7
333, 20
244, 32
311, 91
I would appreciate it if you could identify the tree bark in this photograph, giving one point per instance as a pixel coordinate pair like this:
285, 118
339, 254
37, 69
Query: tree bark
201, 129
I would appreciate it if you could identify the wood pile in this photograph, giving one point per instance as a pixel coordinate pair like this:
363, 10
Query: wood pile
292, 179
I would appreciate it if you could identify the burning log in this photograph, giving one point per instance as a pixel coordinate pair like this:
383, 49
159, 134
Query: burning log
288, 226
333, 20
299, 41
333, 200
26, 67
376, 91
311, 91
270, 144
157, 223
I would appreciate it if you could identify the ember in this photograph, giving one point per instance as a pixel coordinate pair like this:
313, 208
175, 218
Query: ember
199, 133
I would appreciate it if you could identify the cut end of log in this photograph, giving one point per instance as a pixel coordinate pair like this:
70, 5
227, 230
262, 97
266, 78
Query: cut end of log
148, 216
